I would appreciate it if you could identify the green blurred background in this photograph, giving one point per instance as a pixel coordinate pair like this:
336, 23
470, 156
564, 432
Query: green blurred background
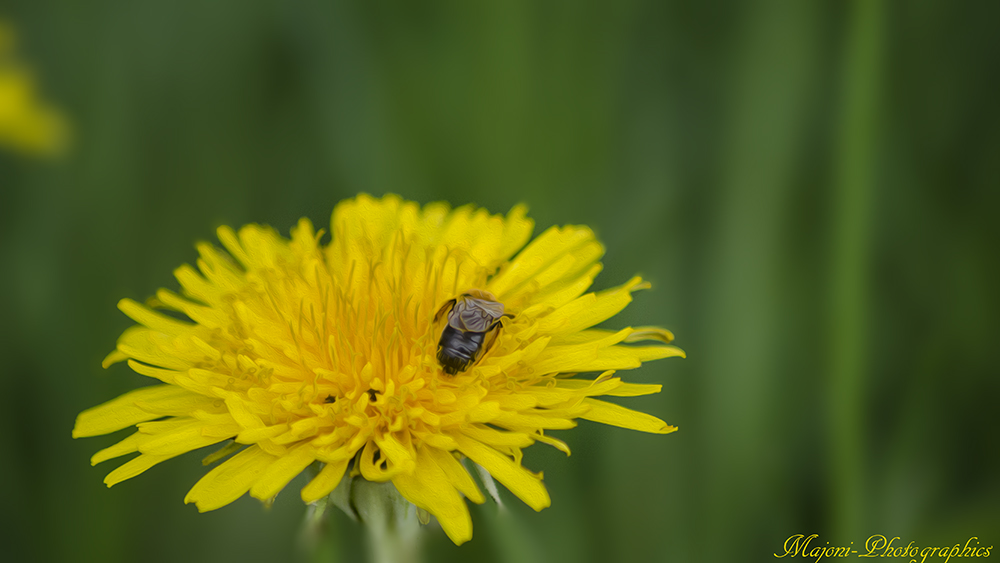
812, 187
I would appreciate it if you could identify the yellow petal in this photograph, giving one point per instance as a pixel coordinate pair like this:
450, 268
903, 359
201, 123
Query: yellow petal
576, 359
231, 242
182, 404
161, 426
230, 480
517, 230
615, 415
596, 336
324, 483
567, 266
558, 294
457, 474
164, 375
151, 347
634, 390
260, 246
195, 285
642, 333
398, 461
541, 254
513, 401
283, 470
519, 480
205, 316
133, 467
399, 455
184, 439
554, 442
548, 419
429, 488
218, 267
590, 309
559, 391
254, 435
113, 358
230, 447
241, 410
122, 412
126, 446
613, 387
493, 437
488, 239
152, 319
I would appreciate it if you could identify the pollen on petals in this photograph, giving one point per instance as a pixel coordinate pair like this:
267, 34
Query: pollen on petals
301, 354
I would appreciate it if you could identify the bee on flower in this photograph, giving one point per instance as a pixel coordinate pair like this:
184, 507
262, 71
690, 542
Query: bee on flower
472, 318
416, 339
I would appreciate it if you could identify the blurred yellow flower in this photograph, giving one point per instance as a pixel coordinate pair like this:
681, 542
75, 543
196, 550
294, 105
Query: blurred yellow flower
27, 125
305, 353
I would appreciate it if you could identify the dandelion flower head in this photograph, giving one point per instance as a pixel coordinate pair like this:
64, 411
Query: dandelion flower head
27, 124
302, 352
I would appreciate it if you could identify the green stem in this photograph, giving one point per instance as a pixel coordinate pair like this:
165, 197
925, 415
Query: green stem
514, 543
849, 298
390, 521
319, 540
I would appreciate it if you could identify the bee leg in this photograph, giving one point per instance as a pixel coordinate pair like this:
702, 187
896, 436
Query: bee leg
500, 322
493, 334
444, 308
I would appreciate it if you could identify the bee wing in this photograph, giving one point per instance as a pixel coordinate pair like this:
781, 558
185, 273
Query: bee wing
474, 315
469, 319
494, 309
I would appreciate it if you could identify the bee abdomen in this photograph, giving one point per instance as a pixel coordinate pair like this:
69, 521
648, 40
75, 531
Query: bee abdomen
457, 350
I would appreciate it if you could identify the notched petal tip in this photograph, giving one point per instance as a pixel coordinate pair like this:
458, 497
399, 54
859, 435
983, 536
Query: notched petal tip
520, 208
230, 447
113, 358
636, 283
666, 429
80, 426
199, 503
643, 333
616, 415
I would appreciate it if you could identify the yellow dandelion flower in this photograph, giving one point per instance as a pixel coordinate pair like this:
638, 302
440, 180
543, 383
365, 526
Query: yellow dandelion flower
26, 124
302, 352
